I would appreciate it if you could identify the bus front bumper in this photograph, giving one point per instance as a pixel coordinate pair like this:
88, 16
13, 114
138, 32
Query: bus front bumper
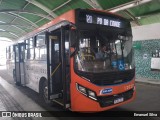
103, 102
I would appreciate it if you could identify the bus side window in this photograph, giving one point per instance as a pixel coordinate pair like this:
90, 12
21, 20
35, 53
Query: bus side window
12, 53
25, 54
37, 55
22, 54
40, 40
30, 48
31, 55
43, 53
8, 52
40, 50
17, 53
27, 44
9, 56
67, 47
31, 42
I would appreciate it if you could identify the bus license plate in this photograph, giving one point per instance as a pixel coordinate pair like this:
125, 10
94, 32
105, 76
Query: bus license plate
118, 100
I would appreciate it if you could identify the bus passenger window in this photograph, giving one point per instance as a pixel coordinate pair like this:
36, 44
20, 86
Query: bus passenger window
22, 54
40, 40
43, 53
37, 53
8, 53
26, 55
31, 54
67, 52
31, 43
12, 53
40, 49
27, 44
17, 54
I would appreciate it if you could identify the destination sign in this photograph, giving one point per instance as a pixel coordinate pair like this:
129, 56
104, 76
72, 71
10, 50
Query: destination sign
101, 18
102, 21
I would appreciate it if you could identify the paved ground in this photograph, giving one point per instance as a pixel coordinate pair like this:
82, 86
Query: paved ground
148, 99
8, 103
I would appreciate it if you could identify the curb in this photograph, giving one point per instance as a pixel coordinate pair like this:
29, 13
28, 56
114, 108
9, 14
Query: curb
147, 83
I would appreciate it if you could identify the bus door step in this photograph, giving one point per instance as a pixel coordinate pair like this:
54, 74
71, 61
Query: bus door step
68, 106
60, 102
59, 95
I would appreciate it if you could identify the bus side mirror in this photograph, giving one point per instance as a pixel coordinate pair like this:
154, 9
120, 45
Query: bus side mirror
73, 38
73, 41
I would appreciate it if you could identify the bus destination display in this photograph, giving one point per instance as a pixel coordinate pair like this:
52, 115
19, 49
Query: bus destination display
102, 21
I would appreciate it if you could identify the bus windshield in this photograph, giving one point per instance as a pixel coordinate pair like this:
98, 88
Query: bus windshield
104, 51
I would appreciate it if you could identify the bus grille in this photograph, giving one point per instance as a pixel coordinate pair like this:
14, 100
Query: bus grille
109, 78
109, 100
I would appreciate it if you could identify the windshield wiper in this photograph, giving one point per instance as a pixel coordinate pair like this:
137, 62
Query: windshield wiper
116, 54
122, 50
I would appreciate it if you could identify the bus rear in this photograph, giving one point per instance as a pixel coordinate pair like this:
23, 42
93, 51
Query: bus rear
101, 83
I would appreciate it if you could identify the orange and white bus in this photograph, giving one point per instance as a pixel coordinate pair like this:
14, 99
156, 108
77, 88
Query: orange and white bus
64, 61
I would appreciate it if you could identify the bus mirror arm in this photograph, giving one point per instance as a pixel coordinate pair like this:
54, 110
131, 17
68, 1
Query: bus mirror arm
73, 38
74, 52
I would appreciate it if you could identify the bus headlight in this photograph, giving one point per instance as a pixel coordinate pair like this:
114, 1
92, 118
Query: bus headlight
87, 92
82, 89
92, 94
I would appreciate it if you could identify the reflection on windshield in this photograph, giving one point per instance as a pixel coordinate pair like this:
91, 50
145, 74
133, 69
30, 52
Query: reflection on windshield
104, 52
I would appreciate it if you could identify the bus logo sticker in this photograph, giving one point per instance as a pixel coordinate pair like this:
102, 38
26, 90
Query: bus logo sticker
106, 91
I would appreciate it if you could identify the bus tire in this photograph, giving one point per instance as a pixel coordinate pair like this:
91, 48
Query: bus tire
18, 83
14, 77
44, 92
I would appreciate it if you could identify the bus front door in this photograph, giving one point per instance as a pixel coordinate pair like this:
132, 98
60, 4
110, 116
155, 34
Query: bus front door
18, 72
58, 66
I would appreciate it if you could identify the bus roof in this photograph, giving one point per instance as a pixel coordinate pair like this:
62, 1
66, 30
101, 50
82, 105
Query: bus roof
68, 16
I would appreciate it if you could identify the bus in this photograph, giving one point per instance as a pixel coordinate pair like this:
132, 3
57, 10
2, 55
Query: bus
59, 61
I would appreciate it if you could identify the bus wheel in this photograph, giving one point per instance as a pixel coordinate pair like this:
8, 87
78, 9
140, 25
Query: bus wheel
18, 83
14, 77
44, 92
